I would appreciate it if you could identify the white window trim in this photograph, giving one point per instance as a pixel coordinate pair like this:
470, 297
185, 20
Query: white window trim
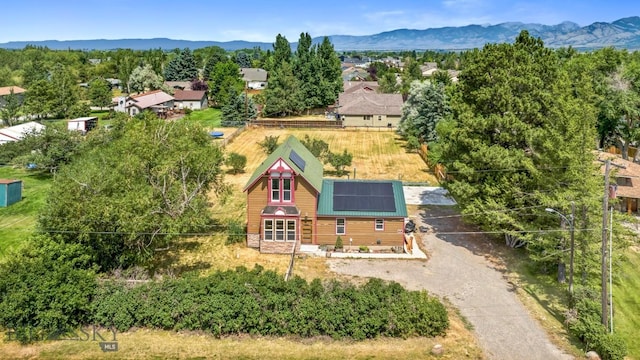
344, 226
264, 230
376, 224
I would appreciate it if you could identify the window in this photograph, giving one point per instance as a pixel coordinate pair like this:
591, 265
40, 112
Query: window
291, 230
279, 230
340, 226
275, 189
268, 229
379, 117
281, 188
286, 189
367, 117
379, 224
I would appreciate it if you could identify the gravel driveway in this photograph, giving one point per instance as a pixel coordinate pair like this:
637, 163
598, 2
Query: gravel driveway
459, 269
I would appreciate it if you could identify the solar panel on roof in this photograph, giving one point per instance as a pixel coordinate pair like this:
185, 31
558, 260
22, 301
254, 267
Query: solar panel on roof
299, 161
363, 196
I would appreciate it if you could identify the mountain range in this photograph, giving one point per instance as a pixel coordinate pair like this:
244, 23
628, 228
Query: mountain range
622, 33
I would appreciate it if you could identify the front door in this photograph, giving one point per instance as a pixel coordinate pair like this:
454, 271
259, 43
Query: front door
307, 231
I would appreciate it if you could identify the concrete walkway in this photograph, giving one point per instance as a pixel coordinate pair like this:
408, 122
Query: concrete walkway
314, 250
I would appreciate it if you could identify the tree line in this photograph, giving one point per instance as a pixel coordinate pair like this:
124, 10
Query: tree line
518, 135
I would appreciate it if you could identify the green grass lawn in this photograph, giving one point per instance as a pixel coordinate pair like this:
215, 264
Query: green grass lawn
626, 303
209, 118
18, 220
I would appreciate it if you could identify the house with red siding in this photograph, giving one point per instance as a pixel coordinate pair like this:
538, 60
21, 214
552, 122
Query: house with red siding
289, 203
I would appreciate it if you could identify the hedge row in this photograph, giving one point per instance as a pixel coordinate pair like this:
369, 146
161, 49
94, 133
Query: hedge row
261, 302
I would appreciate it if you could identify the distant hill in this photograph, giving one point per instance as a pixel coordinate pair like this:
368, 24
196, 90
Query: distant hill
623, 33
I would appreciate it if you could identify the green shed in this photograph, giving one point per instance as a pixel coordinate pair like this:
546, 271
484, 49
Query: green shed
10, 192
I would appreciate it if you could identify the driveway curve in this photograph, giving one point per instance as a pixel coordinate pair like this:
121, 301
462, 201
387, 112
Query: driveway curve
460, 270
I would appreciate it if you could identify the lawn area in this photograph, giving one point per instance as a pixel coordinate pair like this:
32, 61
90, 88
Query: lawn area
17, 221
209, 118
626, 302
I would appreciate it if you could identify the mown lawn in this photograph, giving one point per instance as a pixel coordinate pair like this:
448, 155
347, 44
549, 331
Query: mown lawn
209, 118
18, 220
626, 302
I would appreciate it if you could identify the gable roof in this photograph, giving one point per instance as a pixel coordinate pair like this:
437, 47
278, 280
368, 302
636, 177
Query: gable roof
326, 201
360, 103
351, 87
17, 132
149, 99
186, 95
313, 168
629, 170
253, 74
6, 90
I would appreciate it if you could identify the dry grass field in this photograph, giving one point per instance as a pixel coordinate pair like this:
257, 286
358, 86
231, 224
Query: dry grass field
377, 155
157, 344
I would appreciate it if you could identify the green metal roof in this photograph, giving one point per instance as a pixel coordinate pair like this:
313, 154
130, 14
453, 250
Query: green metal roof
325, 203
313, 168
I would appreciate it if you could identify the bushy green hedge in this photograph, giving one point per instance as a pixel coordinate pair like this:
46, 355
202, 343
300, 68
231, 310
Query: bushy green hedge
589, 329
261, 302
45, 289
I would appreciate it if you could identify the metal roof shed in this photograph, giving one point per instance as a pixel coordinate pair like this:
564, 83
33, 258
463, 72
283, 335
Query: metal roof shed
10, 192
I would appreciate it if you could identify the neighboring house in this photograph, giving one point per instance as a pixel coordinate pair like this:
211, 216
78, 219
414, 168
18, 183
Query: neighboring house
190, 99
178, 85
83, 124
6, 90
627, 183
157, 101
428, 68
255, 78
10, 192
289, 204
354, 74
17, 132
370, 109
351, 87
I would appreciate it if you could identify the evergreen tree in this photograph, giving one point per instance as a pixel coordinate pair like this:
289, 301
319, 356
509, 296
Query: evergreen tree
38, 100
243, 60
283, 96
239, 109
329, 68
182, 68
305, 68
519, 142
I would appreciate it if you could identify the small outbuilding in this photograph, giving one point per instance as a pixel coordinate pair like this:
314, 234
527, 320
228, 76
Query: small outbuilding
83, 124
10, 192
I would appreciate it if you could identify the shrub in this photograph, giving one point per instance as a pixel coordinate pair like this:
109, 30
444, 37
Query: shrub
339, 245
269, 144
260, 302
237, 162
364, 249
585, 303
45, 289
235, 232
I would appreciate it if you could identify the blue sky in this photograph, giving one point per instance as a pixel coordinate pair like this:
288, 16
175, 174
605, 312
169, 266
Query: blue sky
262, 20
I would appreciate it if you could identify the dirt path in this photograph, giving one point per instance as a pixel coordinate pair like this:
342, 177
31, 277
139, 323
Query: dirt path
460, 270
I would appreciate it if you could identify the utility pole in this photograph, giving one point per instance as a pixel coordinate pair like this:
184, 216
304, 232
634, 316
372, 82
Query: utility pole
573, 228
605, 208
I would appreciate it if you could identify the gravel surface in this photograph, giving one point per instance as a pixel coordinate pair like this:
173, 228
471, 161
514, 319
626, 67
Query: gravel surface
460, 268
